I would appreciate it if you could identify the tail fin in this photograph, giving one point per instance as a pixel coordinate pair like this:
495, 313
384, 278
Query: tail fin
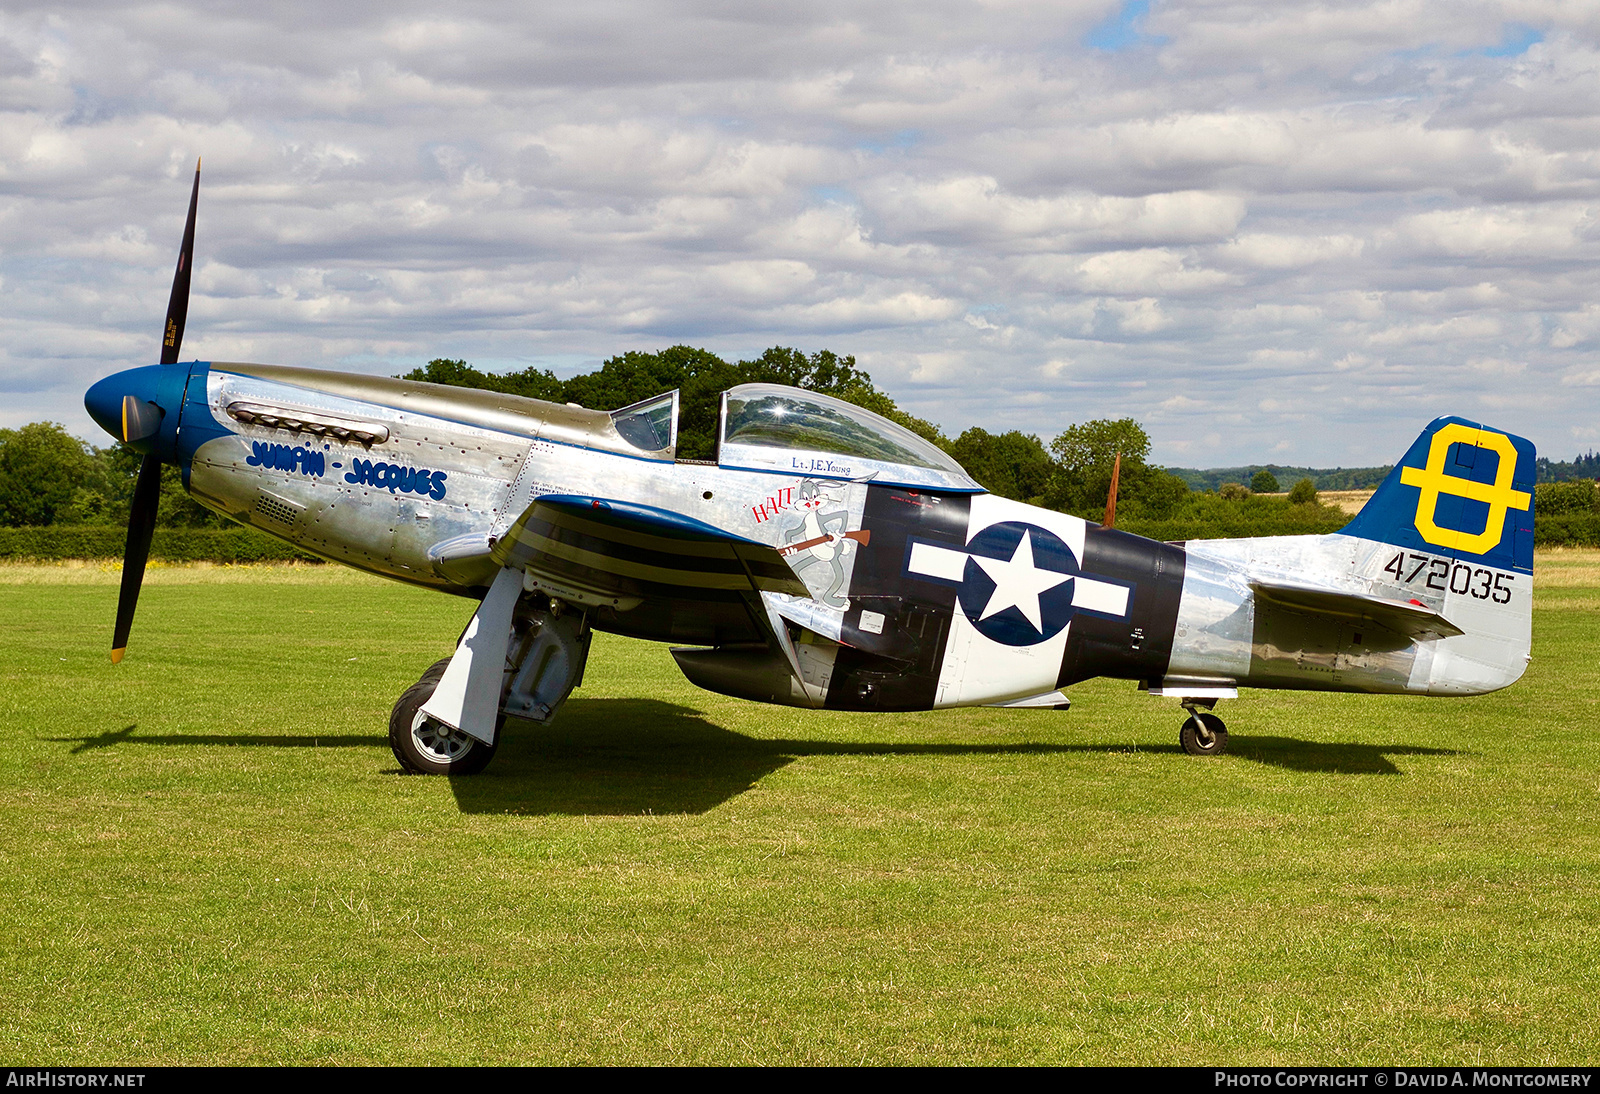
1464, 491
1458, 511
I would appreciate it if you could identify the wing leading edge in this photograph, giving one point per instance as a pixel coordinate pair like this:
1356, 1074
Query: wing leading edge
626, 556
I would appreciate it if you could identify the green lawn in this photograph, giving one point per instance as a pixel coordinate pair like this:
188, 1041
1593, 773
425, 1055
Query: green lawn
209, 856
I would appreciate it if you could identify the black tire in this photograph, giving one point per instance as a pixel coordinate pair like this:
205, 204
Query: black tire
434, 672
426, 747
1203, 735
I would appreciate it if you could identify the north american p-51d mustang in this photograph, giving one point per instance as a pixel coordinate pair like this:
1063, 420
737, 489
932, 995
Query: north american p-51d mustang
826, 558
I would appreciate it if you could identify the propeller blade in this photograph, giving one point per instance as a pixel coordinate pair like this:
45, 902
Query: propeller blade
141, 525
178, 304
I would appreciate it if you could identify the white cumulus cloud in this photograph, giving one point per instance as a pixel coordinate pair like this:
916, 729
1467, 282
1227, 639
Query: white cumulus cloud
1247, 216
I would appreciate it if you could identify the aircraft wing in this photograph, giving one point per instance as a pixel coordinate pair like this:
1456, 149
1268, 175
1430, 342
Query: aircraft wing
600, 552
1412, 619
658, 570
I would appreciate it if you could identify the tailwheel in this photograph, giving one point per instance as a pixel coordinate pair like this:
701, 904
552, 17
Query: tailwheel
1203, 734
426, 746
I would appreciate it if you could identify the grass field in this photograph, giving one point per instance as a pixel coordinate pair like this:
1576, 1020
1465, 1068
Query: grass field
208, 856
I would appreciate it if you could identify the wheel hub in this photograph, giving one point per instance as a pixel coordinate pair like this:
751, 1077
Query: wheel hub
438, 741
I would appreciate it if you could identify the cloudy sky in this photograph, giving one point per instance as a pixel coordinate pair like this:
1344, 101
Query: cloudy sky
1271, 231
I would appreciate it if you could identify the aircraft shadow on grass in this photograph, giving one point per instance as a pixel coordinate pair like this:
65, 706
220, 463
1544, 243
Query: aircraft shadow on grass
1326, 757
613, 757
626, 757
124, 736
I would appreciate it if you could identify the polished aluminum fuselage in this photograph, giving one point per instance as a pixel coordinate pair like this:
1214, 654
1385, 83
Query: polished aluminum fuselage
418, 482
1224, 629
497, 453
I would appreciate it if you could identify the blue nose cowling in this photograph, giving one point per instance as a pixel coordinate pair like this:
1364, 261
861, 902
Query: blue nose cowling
156, 385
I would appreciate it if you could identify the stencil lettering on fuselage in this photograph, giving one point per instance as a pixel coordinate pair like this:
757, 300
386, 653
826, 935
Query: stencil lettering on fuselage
1018, 584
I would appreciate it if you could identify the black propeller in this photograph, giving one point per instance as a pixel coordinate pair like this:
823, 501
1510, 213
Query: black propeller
141, 525
178, 303
141, 421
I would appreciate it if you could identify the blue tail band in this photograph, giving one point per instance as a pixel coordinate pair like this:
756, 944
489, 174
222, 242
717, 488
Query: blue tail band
1463, 490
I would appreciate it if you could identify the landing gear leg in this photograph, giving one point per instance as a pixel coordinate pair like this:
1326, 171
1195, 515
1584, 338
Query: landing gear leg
549, 649
1203, 733
545, 653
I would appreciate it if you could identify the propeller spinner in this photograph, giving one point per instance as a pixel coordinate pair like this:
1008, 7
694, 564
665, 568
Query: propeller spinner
129, 406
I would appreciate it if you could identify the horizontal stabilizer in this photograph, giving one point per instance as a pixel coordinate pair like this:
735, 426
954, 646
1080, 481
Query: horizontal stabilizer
1409, 618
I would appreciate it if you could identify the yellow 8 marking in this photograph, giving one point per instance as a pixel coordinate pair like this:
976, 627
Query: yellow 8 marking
1499, 495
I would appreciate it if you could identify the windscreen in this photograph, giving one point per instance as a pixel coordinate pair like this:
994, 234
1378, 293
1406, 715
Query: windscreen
650, 425
771, 416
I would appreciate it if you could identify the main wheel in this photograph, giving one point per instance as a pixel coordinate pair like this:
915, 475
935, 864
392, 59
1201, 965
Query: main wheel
426, 746
1203, 735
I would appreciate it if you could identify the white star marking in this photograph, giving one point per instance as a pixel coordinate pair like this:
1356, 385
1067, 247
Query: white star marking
930, 560
1018, 583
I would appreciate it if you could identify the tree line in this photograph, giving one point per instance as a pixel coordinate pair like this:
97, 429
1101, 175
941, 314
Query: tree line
50, 478
1321, 478
1070, 473
1586, 466
1546, 470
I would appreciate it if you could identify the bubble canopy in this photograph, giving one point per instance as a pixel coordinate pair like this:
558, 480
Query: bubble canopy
769, 427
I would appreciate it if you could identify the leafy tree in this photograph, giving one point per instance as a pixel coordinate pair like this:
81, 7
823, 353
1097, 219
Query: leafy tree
1085, 455
1263, 482
1233, 491
1093, 446
1586, 466
823, 371
1562, 498
700, 377
530, 382
1013, 465
1304, 493
1157, 494
43, 468
1323, 478
119, 470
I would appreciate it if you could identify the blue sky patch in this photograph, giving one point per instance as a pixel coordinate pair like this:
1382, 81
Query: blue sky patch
1122, 30
1516, 39
900, 139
